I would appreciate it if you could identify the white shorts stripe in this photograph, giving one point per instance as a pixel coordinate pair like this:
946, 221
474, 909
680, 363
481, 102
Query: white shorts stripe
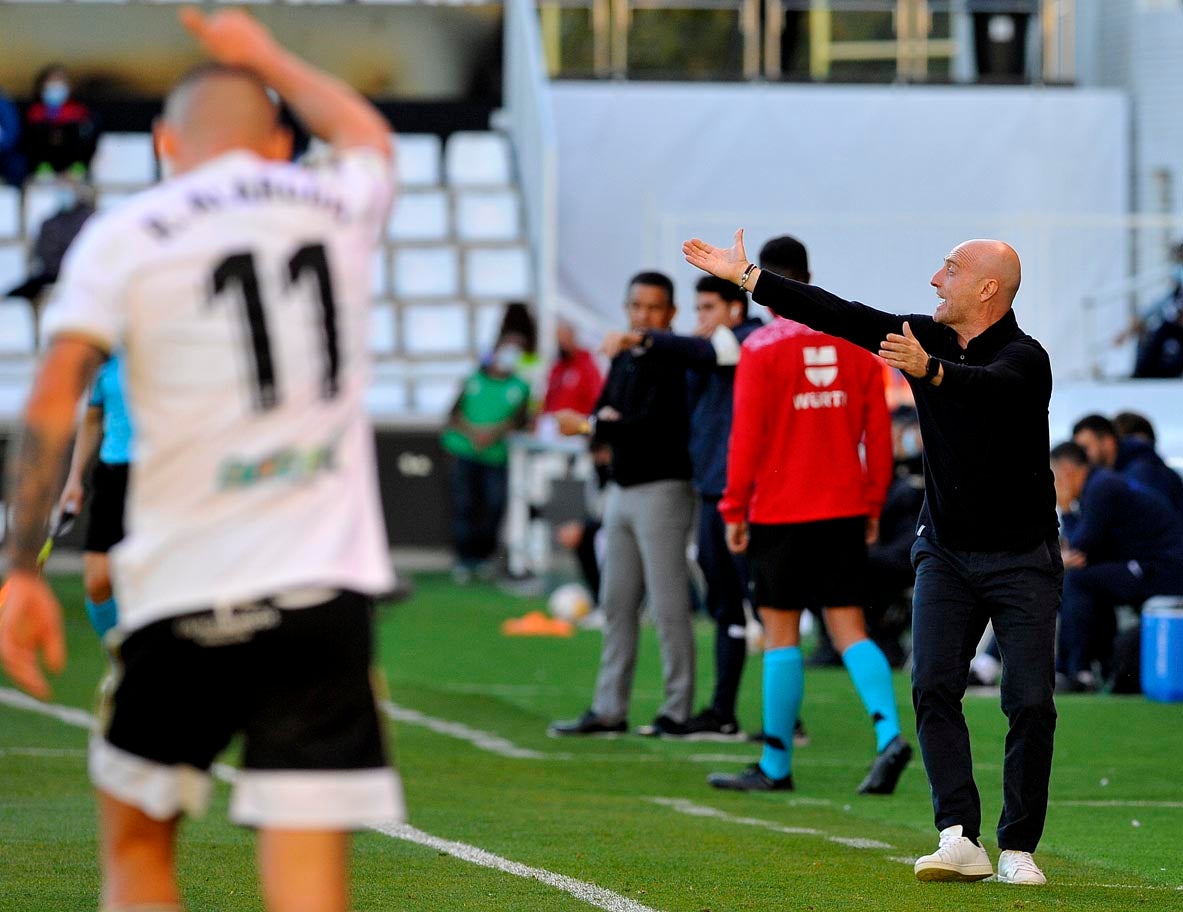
160, 791
317, 799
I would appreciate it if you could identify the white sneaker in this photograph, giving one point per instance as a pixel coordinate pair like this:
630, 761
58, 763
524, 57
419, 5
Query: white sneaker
1019, 868
956, 858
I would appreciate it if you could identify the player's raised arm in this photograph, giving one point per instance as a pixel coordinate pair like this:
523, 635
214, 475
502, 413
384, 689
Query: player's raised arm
328, 107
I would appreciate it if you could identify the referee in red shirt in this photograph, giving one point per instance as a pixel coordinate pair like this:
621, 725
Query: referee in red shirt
803, 501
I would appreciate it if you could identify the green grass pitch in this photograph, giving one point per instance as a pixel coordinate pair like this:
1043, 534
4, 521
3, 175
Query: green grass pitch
615, 813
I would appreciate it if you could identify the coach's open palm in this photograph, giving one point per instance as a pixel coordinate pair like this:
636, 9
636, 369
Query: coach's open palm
229, 36
726, 263
31, 623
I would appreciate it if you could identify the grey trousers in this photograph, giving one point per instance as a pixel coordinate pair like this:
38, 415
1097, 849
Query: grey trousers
646, 528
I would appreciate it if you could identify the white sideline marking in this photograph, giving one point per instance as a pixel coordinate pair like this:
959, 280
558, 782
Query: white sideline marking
1119, 804
484, 740
589, 893
42, 752
682, 806
67, 714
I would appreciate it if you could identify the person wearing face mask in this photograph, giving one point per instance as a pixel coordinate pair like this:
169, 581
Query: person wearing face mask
60, 132
493, 402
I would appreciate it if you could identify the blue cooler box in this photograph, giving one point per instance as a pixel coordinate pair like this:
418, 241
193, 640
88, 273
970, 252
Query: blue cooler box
1162, 649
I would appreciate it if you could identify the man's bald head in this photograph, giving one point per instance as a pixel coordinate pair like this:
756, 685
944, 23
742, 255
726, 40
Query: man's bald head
995, 260
217, 108
976, 286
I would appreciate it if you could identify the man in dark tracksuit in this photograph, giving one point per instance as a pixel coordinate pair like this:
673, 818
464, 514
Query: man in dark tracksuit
987, 544
648, 509
1132, 456
1124, 545
710, 356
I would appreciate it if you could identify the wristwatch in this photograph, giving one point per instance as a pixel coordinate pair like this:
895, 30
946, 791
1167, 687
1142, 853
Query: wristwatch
932, 369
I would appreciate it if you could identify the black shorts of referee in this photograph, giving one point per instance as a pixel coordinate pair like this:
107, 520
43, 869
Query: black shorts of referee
795, 566
108, 485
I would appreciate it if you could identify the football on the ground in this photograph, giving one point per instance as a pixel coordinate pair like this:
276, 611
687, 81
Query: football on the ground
570, 602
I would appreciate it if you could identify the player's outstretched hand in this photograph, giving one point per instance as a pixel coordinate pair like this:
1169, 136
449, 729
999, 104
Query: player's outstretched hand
230, 36
31, 625
726, 263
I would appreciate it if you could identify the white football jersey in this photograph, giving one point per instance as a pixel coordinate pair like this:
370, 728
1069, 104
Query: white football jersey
240, 294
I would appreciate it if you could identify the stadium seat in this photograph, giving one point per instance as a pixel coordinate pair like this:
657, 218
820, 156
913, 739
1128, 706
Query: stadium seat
486, 321
435, 329
497, 272
421, 216
17, 333
478, 160
13, 266
383, 330
418, 160
124, 159
379, 284
387, 398
10, 212
426, 272
434, 395
42, 199
488, 215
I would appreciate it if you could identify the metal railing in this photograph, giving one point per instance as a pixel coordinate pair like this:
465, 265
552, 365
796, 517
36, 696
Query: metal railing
912, 34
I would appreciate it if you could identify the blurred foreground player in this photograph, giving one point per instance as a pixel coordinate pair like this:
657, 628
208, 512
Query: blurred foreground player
238, 292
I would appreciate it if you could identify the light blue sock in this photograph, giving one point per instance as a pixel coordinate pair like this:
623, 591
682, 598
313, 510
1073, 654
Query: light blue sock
784, 685
102, 615
872, 679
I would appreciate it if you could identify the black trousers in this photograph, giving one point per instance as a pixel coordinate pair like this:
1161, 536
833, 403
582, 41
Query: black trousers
956, 593
726, 577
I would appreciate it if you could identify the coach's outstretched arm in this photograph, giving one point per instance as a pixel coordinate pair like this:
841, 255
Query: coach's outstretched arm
328, 107
808, 304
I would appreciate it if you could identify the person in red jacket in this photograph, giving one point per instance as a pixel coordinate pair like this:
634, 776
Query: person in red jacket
60, 134
575, 380
808, 467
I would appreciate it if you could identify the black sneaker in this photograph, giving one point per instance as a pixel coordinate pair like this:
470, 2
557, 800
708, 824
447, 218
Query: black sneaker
588, 724
752, 779
885, 771
664, 727
710, 725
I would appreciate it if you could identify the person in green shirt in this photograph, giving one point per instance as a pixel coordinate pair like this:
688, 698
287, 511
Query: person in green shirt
493, 402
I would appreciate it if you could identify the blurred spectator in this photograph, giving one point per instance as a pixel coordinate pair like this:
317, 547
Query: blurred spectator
710, 357
493, 402
1160, 343
641, 414
575, 380
1135, 425
518, 326
889, 559
12, 162
54, 238
1122, 545
1132, 456
60, 133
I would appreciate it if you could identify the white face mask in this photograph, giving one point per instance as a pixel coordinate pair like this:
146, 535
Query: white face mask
506, 358
55, 93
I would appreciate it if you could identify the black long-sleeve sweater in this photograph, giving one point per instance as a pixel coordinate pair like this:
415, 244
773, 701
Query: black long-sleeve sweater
650, 439
988, 484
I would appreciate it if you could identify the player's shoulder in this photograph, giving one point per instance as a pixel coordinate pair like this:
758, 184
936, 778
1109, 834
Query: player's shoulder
779, 331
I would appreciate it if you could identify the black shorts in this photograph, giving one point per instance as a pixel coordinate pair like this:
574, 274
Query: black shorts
296, 683
820, 564
104, 529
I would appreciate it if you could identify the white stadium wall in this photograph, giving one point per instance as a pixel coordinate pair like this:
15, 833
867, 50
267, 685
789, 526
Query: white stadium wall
879, 182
